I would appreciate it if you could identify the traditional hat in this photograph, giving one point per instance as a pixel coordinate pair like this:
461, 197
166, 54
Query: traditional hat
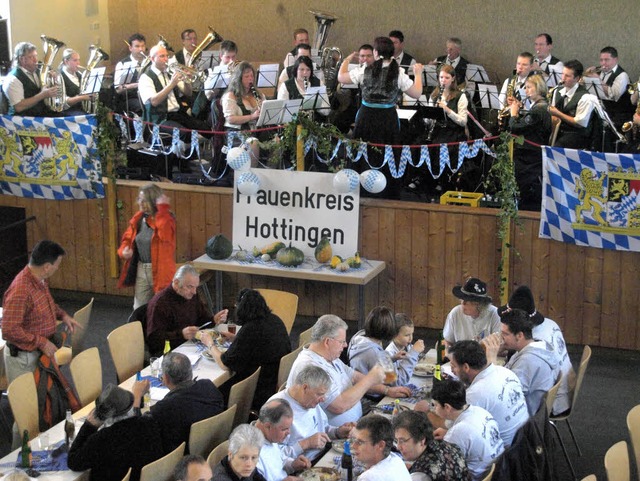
522, 298
473, 290
114, 401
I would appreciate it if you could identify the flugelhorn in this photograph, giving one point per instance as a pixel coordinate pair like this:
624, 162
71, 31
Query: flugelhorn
50, 78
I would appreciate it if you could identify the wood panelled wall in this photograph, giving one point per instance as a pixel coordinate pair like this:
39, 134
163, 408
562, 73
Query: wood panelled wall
592, 293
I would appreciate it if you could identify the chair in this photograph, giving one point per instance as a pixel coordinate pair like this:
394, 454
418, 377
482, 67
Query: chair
584, 362
616, 462
283, 304
23, 399
162, 469
555, 128
490, 473
550, 397
218, 454
305, 337
207, 434
286, 362
241, 394
633, 426
591, 477
126, 345
140, 314
86, 372
81, 316
127, 476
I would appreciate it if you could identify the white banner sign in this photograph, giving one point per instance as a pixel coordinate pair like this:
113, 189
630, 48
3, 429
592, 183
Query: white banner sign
298, 208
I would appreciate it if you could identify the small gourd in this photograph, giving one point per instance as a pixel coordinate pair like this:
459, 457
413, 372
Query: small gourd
323, 251
290, 256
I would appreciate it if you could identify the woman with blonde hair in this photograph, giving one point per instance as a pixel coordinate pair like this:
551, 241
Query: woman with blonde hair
72, 77
148, 246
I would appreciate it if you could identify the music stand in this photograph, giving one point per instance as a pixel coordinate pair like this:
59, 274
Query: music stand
594, 87
218, 78
476, 73
268, 76
315, 99
277, 112
207, 60
488, 96
94, 82
555, 75
430, 76
606, 121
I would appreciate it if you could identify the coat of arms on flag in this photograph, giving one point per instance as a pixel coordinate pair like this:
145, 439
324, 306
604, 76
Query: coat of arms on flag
49, 158
591, 198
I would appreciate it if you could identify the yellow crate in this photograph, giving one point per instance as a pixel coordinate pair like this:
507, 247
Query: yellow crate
472, 199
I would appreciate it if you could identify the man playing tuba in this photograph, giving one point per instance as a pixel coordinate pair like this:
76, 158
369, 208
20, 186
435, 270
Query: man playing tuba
22, 86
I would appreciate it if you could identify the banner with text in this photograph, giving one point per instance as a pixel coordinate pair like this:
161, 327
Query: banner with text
298, 208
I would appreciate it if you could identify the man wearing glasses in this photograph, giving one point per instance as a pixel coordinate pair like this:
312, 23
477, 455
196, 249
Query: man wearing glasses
371, 444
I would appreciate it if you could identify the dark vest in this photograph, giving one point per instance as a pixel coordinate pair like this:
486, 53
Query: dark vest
570, 109
180, 57
132, 93
375, 91
292, 88
30, 90
406, 62
623, 107
461, 68
158, 113
70, 88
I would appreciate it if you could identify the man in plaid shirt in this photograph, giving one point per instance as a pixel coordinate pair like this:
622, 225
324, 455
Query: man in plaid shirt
30, 313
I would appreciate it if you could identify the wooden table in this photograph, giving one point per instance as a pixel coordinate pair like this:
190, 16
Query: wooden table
307, 271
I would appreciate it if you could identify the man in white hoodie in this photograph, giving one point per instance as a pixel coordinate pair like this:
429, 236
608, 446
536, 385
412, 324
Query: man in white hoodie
535, 362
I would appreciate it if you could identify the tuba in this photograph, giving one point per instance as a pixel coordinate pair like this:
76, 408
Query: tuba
51, 78
211, 38
96, 55
331, 56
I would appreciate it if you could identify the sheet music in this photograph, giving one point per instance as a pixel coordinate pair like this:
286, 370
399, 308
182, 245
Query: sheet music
555, 75
124, 75
594, 87
207, 60
476, 73
218, 78
316, 98
410, 101
268, 75
290, 109
430, 76
94, 84
406, 114
276, 112
488, 96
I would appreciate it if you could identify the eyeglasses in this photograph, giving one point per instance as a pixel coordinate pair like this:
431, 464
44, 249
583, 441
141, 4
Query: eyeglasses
341, 341
357, 442
400, 441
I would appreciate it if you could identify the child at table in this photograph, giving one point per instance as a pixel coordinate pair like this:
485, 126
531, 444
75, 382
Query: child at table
404, 354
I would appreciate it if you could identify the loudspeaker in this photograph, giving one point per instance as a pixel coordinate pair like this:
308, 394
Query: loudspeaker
5, 53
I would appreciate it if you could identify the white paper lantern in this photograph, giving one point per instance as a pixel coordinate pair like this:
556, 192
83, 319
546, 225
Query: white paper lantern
248, 183
238, 159
346, 181
373, 181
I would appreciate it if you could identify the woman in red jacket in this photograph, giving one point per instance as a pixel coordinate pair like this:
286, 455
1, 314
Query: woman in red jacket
148, 246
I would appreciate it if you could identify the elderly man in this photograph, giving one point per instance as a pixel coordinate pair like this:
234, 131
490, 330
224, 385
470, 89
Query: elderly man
175, 312
310, 430
300, 35
348, 386
192, 468
371, 443
475, 317
160, 94
22, 86
453, 58
274, 422
474, 430
491, 387
30, 313
187, 402
535, 362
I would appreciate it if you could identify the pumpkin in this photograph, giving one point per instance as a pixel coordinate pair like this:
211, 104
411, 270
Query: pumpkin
290, 256
243, 255
272, 249
219, 247
335, 260
323, 251
354, 261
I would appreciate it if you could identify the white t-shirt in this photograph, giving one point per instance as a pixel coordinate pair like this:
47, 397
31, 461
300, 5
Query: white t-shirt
460, 327
390, 468
498, 390
341, 376
478, 436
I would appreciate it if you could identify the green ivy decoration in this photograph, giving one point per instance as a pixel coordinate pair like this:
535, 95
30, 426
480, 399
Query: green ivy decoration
501, 180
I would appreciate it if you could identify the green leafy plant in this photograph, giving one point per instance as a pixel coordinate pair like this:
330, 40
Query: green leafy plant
502, 181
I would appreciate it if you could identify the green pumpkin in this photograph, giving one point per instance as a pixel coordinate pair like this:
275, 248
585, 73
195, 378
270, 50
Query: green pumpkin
323, 251
219, 247
290, 256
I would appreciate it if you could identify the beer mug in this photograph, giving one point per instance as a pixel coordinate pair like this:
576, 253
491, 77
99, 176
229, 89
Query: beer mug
390, 375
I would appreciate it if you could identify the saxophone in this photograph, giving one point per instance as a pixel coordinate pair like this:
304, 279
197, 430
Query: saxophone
51, 78
96, 55
505, 113
631, 126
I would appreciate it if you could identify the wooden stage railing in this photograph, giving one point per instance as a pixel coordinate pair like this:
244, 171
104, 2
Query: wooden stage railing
592, 293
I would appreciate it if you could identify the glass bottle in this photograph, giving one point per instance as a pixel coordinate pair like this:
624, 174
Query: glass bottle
167, 347
69, 428
25, 451
347, 461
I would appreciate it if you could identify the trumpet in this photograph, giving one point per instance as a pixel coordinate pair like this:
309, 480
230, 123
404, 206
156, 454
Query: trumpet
189, 74
146, 60
633, 88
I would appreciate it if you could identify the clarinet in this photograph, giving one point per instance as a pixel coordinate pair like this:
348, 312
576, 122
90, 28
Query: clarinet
256, 95
305, 82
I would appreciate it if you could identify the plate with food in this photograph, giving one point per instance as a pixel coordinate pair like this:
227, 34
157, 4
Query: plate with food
207, 356
338, 445
424, 369
215, 335
320, 474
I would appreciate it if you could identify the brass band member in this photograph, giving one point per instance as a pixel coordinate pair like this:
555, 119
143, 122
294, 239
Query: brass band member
516, 82
543, 44
300, 35
574, 107
22, 86
301, 80
126, 80
189, 42
535, 125
72, 77
453, 58
454, 104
